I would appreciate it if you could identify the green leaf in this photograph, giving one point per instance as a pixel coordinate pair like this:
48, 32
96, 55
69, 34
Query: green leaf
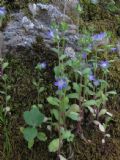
62, 57
76, 87
73, 108
89, 103
21, 129
74, 116
55, 50
64, 26
104, 97
99, 102
73, 96
33, 117
109, 114
40, 106
29, 133
5, 65
91, 109
86, 71
112, 92
79, 8
54, 145
102, 112
101, 127
35, 83
67, 135
41, 89
5, 77
8, 87
64, 101
42, 136
34, 106
2, 92
62, 158
55, 113
8, 98
58, 70
88, 91
53, 101
30, 143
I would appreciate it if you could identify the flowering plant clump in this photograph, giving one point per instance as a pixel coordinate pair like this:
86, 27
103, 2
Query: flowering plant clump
35, 118
104, 64
79, 89
82, 90
99, 37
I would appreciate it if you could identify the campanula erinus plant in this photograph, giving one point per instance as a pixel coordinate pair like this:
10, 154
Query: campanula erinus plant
35, 118
81, 89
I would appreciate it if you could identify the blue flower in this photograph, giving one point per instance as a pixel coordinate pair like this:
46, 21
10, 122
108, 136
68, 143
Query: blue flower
50, 34
96, 82
61, 83
104, 64
84, 55
113, 49
99, 37
2, 11
91, 77
42, 65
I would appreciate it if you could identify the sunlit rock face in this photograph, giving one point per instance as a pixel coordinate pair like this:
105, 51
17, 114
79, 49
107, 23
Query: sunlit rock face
22, 30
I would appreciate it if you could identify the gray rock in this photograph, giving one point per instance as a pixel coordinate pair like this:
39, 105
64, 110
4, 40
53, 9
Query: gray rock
21, 31
27, 23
